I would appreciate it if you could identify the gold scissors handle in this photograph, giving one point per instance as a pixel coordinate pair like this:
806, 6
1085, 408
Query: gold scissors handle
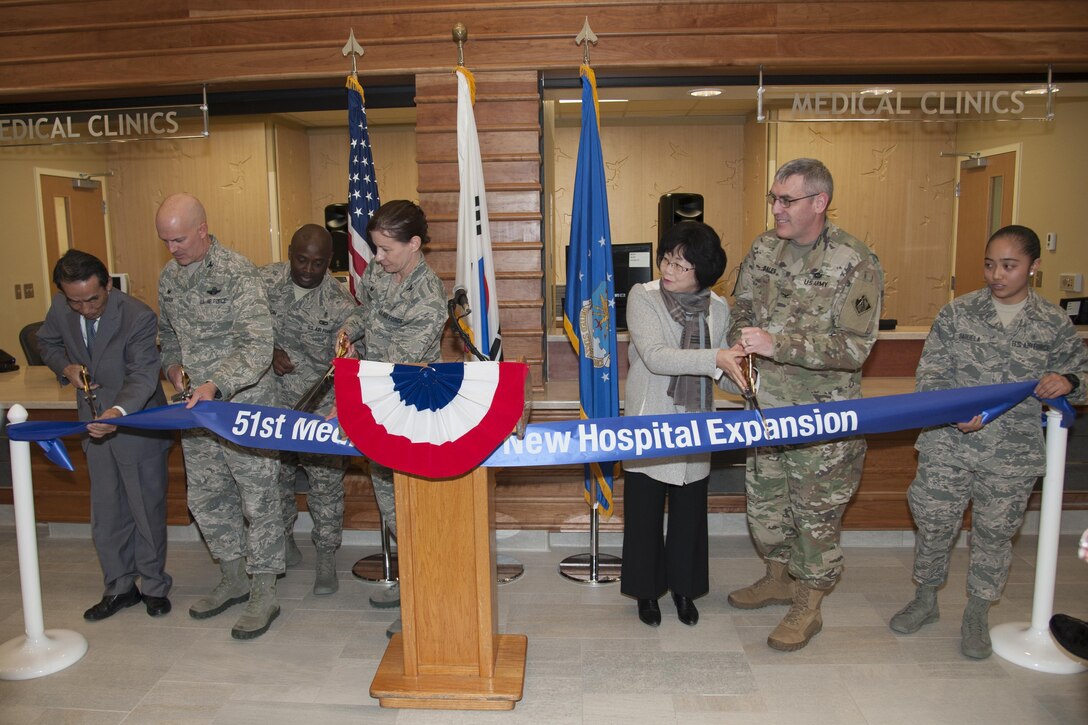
88, 394
343, 345
749, 392
186, 391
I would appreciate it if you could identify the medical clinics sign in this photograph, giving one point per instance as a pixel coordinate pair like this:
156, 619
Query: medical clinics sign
907, 103
103, 125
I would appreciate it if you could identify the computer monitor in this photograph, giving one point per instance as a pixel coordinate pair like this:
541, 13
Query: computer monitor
120, 281
1076, 308
631, 264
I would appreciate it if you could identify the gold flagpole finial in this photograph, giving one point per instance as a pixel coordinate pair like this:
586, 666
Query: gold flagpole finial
353, 49
460, 35
584, 39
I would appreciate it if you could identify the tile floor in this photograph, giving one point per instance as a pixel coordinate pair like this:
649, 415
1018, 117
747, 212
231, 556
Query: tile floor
589, 661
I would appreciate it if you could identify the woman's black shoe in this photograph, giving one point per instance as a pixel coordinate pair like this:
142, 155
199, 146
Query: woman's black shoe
685, 610
649, 612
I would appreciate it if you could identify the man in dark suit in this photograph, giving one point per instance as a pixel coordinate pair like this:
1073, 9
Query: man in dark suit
91, 325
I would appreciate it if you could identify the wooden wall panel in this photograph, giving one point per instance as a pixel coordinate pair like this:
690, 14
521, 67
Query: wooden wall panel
895, 192
507, 123
394, 151
644, 161
293, 193
128, 45
228, 172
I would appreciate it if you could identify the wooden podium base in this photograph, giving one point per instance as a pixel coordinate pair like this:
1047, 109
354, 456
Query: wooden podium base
450, 655
452, 692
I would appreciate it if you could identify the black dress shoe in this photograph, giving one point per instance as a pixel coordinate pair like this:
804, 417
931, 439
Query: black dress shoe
111, 605
1071, 634
156, 606
685, 610
649, 612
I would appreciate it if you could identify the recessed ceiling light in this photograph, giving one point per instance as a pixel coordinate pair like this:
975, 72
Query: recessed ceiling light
1041, 91
877, 91
705, 92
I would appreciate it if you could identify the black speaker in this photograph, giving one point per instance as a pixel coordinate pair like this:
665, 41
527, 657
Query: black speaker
336, 221
678, 207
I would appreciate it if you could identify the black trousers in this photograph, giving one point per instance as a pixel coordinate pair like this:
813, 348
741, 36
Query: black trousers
677, 561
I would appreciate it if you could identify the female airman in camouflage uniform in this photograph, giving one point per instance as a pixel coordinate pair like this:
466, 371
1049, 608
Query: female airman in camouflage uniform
1002, 333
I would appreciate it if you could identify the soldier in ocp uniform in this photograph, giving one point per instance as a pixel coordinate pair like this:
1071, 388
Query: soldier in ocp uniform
215, 328
400, 318
308, 307
1002, 333
807, 303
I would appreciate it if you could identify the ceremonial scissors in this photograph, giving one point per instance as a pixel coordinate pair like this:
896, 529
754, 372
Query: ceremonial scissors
317, 391
748, 369
186, 391
88, 394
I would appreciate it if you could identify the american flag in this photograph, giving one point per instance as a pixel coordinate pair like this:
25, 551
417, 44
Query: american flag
363, 198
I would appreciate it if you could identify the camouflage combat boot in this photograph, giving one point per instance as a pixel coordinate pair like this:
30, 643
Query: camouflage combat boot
776, 587
233, 588
291, 555
261, 610
801, 623
975, 630
919, 611
326, 582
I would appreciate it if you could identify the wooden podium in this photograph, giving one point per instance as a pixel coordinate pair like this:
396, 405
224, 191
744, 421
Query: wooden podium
449, 655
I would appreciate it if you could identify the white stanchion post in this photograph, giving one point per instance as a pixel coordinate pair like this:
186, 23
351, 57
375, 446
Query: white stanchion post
1030, 644
39, 652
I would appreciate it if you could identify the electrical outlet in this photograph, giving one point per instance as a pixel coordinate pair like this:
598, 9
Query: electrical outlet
28, 290
18, 292
1071, 282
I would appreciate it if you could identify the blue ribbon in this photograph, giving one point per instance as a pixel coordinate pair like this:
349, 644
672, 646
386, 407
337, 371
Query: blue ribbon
585, 441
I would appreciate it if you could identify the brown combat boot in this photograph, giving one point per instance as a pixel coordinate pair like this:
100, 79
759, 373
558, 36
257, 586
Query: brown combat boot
801, 623
776, 587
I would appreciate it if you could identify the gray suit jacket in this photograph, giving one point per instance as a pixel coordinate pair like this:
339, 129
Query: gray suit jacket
124, 363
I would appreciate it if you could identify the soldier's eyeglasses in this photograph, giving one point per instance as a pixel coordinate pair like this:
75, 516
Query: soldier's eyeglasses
785, 201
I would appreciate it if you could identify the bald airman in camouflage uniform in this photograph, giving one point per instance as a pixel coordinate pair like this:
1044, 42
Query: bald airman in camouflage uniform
807, 303
308, 307
214, 326
978, 340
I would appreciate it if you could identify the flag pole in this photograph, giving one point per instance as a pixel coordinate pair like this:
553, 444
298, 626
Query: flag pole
507, 568
380, 567
593, 568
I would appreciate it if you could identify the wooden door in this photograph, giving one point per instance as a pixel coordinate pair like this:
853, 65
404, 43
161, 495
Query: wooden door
985, 205
74, 218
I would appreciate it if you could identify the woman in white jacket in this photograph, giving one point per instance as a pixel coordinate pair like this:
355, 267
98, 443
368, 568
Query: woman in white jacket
678, 349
